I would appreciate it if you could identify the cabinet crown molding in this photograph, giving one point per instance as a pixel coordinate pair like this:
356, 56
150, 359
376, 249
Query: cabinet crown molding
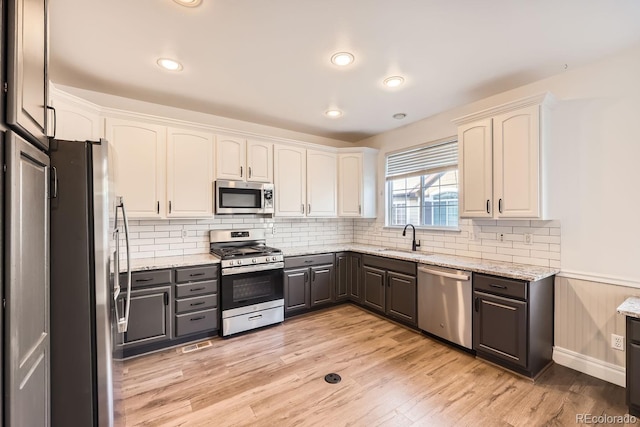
544, 99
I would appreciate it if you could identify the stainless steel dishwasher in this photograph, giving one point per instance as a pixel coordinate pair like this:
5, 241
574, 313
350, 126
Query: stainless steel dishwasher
444, 304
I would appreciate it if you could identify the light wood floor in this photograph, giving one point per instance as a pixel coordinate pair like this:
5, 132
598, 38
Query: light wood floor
391, 376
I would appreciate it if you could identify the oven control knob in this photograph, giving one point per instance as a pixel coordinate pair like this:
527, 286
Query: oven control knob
254, 260
239, 262
274, 258
231, 262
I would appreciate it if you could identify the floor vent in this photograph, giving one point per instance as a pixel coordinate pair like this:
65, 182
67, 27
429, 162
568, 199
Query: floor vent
197, 346
332, 378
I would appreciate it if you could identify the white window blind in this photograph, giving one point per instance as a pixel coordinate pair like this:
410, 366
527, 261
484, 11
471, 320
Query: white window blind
422, 161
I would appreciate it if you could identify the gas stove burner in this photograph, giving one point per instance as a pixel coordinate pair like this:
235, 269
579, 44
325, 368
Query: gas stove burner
243, 248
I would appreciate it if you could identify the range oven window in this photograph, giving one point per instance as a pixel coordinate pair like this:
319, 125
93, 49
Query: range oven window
241, 290
240, 198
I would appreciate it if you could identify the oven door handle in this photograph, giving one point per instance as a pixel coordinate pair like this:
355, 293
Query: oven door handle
252, 268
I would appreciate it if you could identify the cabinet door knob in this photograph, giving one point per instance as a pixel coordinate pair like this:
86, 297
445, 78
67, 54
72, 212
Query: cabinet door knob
302, 208
158, 207
241, 171
249, 171
500, 205
488, 206
169, 206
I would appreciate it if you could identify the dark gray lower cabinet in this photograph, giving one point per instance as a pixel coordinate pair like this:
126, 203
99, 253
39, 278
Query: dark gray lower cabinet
296, 290
309, 282
401, 296
513, 322
374, 288
150, 316
342, 276
355, 277
390, 287
633, 365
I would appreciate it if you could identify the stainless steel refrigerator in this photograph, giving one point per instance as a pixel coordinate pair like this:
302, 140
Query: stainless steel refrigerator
88, 226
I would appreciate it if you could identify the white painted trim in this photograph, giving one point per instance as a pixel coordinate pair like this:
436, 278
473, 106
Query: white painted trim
54, 93
591, 366
599, 278
545, 99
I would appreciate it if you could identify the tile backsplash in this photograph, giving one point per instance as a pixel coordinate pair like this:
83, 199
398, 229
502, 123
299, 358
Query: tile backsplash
496, 240
499, 240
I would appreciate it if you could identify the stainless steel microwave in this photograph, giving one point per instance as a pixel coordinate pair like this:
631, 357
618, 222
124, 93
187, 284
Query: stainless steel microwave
239, 197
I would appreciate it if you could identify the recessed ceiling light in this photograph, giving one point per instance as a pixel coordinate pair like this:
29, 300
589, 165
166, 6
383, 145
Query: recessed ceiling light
393, 81
399, 116
334, 114
188, 3
170, 64
342, 59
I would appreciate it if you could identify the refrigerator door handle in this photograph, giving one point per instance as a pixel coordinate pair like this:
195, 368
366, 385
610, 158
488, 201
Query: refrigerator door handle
116, 269
123, 322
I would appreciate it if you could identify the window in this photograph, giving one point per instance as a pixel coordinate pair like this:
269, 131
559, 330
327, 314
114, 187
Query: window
422, 186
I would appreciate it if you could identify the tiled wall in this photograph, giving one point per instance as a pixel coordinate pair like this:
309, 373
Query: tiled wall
159, 238
499, 240
183, 237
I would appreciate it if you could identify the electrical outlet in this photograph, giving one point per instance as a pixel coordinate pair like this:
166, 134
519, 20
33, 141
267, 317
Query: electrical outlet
528, 239
472, 235
184, 233
617, 342
500, 237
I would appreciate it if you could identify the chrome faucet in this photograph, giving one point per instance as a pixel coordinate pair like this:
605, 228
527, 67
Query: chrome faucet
414, 245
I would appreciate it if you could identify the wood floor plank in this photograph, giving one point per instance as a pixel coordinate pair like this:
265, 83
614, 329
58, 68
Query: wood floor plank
391, 376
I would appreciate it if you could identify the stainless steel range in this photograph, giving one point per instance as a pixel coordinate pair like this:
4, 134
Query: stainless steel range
251, 290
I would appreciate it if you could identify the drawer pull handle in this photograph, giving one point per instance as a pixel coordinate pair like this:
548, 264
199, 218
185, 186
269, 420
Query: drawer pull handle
193, 319
196, 274
197, 289
146, 279
193, 304
308, 261
255, 317
492, 285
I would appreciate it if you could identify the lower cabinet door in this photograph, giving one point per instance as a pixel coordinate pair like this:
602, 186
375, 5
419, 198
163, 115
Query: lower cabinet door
321, 284
342, 276
374, 288
401, 297
633, 373
355, 277
149, 316
500, 328
296, 289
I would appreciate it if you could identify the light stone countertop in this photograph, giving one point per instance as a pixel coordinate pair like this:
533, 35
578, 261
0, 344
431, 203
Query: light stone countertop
142, 264
503, 269
630, 307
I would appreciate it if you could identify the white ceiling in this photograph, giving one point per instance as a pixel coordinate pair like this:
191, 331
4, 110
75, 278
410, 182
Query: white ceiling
268, 61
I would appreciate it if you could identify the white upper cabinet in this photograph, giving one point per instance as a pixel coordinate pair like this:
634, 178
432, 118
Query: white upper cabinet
259, 161
231, 154
500, 160
290, 180
357, 183
475, 164
322, 184
189, 173
76, 121
140, 165
241, 160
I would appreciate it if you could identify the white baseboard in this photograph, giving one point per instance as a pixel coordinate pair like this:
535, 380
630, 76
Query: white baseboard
591, 366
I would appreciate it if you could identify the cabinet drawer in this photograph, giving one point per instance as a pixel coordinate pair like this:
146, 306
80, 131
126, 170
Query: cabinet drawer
196, 303
197, 321
633, 330
190, 274
197, 288
400, 266
500, 286
308, 260
146, 278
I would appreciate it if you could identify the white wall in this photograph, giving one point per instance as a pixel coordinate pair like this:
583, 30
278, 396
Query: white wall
595, 150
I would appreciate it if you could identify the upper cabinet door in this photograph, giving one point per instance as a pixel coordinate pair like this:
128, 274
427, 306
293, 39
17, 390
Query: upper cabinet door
231, 157
259, 161
350, 184
517, 163
322, 184
140, 166
475, 169
189, 173
27, 80
290, 180
76, 123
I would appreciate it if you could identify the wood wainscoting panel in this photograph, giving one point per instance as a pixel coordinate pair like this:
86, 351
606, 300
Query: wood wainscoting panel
391, 375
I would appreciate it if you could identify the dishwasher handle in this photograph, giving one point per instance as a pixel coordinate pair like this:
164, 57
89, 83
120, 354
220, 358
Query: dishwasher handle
463, 277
